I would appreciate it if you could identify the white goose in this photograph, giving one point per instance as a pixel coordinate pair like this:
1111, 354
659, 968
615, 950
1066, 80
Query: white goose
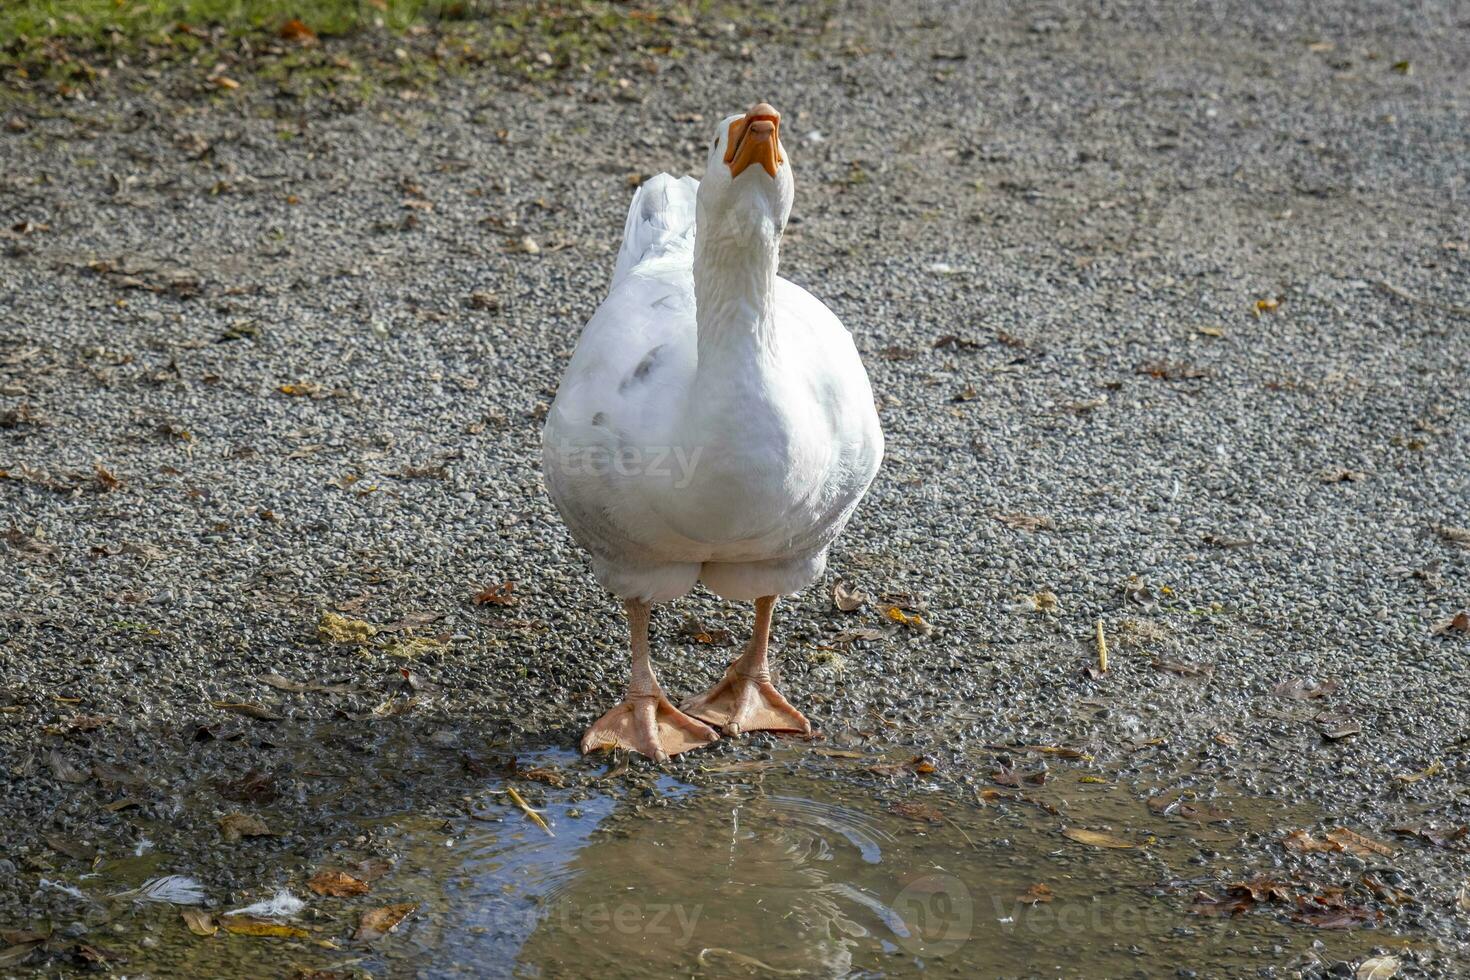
715, 424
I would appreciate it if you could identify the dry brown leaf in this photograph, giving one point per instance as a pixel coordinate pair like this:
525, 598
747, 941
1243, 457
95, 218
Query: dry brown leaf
377, 923
1037, 894
1302, 842
1094, 838
1355, 843
338, 884
250, 710
297, 31
1455, 535
849, 598
1458, 623
249, 925
200, 922
233, 826
1026, 522
918, 810
496, 595
1433, 769
105, 479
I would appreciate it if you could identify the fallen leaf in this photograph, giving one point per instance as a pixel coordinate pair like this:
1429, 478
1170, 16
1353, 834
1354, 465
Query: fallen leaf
1433, 769
1040, 602
249, 925
297, 31
1352, 918
1172, 371
542, 774
233, 826
912, 620
377, 923
337, 884
1455, 535
105, 479
249, 709
1260, 890
1335, 727
1338, 839
1462, 897
200, 922
920, 811
1301, 842
300, 389
1037, 894
1438, 836
1378, 968
1026, 522
62, 768
1094, 838
1458, 623
1386, 893
849, 598
496, 595
694, 631
222, 81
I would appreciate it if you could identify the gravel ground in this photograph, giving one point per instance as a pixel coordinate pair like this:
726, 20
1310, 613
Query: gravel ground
1191, 287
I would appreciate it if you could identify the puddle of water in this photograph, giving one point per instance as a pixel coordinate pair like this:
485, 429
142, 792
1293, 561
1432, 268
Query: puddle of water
801, 875
779, 870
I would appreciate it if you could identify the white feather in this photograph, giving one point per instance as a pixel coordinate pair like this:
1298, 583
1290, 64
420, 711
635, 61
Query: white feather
279, 906
65, 889
175, 889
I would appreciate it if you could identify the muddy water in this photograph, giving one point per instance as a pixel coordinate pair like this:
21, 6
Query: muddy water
780, 873
781, 867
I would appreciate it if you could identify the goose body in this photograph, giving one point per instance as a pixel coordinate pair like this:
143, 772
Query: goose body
715, 423
738, 467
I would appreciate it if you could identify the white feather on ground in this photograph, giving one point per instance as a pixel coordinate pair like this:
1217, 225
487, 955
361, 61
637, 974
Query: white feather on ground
174, 889
278, 906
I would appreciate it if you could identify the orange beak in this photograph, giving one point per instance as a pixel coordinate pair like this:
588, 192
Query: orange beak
755, 138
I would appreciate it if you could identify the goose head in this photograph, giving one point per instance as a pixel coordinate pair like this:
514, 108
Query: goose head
745, 196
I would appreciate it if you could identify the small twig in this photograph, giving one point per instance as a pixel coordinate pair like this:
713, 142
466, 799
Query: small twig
535, 815
1409, 297
1102, 649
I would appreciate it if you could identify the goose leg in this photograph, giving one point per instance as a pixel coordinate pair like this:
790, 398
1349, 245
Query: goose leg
645, 721
745, 700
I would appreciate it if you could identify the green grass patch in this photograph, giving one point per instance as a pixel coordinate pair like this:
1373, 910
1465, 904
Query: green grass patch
65, 46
